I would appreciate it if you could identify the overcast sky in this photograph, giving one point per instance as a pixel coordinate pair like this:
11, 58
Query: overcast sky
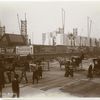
45, 17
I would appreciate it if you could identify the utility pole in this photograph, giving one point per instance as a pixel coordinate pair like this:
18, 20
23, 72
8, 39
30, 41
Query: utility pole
90, 32
89, 22
18, 23
81, 37
88, 27
63, 25
63, 20
25, 26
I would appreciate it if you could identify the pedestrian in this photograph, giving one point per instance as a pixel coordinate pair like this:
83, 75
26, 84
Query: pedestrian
2, 78
35, 74
71, 72
40, 71
23, 74
90, 72
67, 69
0, 89
15, 86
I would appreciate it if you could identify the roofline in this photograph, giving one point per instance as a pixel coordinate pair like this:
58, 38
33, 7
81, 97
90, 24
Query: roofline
7, 34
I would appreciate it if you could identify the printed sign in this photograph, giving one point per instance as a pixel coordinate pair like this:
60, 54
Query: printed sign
24, 50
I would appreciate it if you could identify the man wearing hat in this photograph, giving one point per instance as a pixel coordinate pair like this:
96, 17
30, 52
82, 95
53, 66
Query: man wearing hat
35, 73
15, 86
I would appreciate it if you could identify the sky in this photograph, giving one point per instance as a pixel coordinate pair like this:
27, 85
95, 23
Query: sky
45, 17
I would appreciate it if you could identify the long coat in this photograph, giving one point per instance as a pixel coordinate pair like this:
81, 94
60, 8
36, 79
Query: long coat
15, 85
90, 72
2, 78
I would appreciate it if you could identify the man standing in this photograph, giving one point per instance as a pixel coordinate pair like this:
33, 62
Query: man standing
90, 72
67, 69
2, 78
71, 72
35, 74
40, 71
15, 86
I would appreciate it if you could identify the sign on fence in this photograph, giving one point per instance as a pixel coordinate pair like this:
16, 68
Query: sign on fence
24, 50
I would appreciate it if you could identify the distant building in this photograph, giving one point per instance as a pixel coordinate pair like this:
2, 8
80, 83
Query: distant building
43, 38
12, 40
77, 40
81, 41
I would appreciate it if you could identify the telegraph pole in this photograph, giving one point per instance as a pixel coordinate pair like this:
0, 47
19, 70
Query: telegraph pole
88, 31
18, 23
88, 28
63, 20
63, 25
